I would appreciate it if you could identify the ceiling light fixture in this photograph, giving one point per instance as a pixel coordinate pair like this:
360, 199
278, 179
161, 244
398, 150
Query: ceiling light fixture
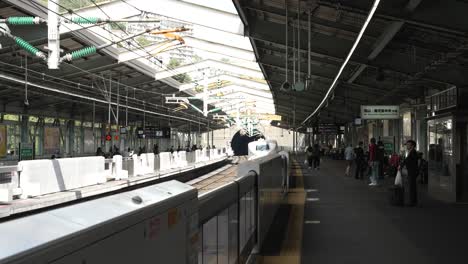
332, 86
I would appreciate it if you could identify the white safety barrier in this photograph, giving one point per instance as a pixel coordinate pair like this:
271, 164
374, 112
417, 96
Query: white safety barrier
39, 177
157, 162
143, 164
118, 173
165, 161
108, 168
191, 157
8, 183
181, 159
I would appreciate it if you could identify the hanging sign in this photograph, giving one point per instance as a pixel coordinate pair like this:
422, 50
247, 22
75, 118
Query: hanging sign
382, 112
328, 129
153, 132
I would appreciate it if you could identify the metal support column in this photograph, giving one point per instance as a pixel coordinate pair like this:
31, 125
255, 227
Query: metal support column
53, 44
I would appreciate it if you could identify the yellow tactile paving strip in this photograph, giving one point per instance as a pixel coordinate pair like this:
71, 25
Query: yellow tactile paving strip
292, 244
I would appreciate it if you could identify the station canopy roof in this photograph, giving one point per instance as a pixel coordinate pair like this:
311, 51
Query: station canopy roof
192, 44
411, 49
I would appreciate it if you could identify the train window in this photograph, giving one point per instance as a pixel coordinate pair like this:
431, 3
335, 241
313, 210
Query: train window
263, 147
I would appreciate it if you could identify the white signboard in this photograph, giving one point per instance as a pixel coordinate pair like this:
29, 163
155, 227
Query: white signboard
380, 112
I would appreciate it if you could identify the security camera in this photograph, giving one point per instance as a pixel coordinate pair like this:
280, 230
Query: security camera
286, 86
26, 102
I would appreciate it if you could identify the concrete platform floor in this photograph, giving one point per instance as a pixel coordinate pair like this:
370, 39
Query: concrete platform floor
347, 222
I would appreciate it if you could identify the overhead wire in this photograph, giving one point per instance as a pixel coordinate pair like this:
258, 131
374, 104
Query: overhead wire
72, 85
345, 62
101, 77
39, 6
125, 32
80, 88
173, 18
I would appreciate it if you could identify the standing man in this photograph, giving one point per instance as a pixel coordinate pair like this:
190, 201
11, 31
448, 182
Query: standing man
373, 163
316, 156
411, 164
349, 157
360, 161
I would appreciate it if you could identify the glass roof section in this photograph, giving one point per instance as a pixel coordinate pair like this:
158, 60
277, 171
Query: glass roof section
196, 46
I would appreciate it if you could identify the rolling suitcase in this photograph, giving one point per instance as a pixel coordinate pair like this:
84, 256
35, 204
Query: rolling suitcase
397, 195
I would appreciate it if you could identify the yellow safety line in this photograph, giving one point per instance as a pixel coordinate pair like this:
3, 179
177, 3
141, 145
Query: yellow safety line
292, 245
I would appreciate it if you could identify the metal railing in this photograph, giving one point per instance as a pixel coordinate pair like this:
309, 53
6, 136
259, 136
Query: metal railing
442, 100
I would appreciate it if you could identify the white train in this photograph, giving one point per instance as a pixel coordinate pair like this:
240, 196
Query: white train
262, 147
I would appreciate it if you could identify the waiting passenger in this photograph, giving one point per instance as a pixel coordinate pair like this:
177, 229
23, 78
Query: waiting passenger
423, 168
373, 163
156, 149
380, 155
309, 155
316, 157
179, 149
116, 151
411, 164
360, 161
171, 149
99, 152
349, 157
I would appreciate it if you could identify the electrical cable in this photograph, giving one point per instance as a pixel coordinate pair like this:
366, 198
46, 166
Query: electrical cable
76, 86
125, 32
345, 62
39, 6
45, 8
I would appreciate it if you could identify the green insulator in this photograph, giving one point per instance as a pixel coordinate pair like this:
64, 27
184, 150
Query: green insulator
26, 46
85, 20
20, 20
83, 52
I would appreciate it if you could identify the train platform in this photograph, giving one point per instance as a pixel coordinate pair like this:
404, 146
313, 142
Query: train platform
343, 220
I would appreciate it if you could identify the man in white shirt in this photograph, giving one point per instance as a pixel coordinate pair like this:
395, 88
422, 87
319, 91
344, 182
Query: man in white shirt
349, 157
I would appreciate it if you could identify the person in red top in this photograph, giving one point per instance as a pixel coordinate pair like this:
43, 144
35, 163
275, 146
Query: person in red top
373, 163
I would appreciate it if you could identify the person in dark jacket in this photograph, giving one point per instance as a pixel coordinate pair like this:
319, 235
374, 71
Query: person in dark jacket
156, 149
423, 169
99, 152
411, 164
360, 161
316, 156
381, 158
